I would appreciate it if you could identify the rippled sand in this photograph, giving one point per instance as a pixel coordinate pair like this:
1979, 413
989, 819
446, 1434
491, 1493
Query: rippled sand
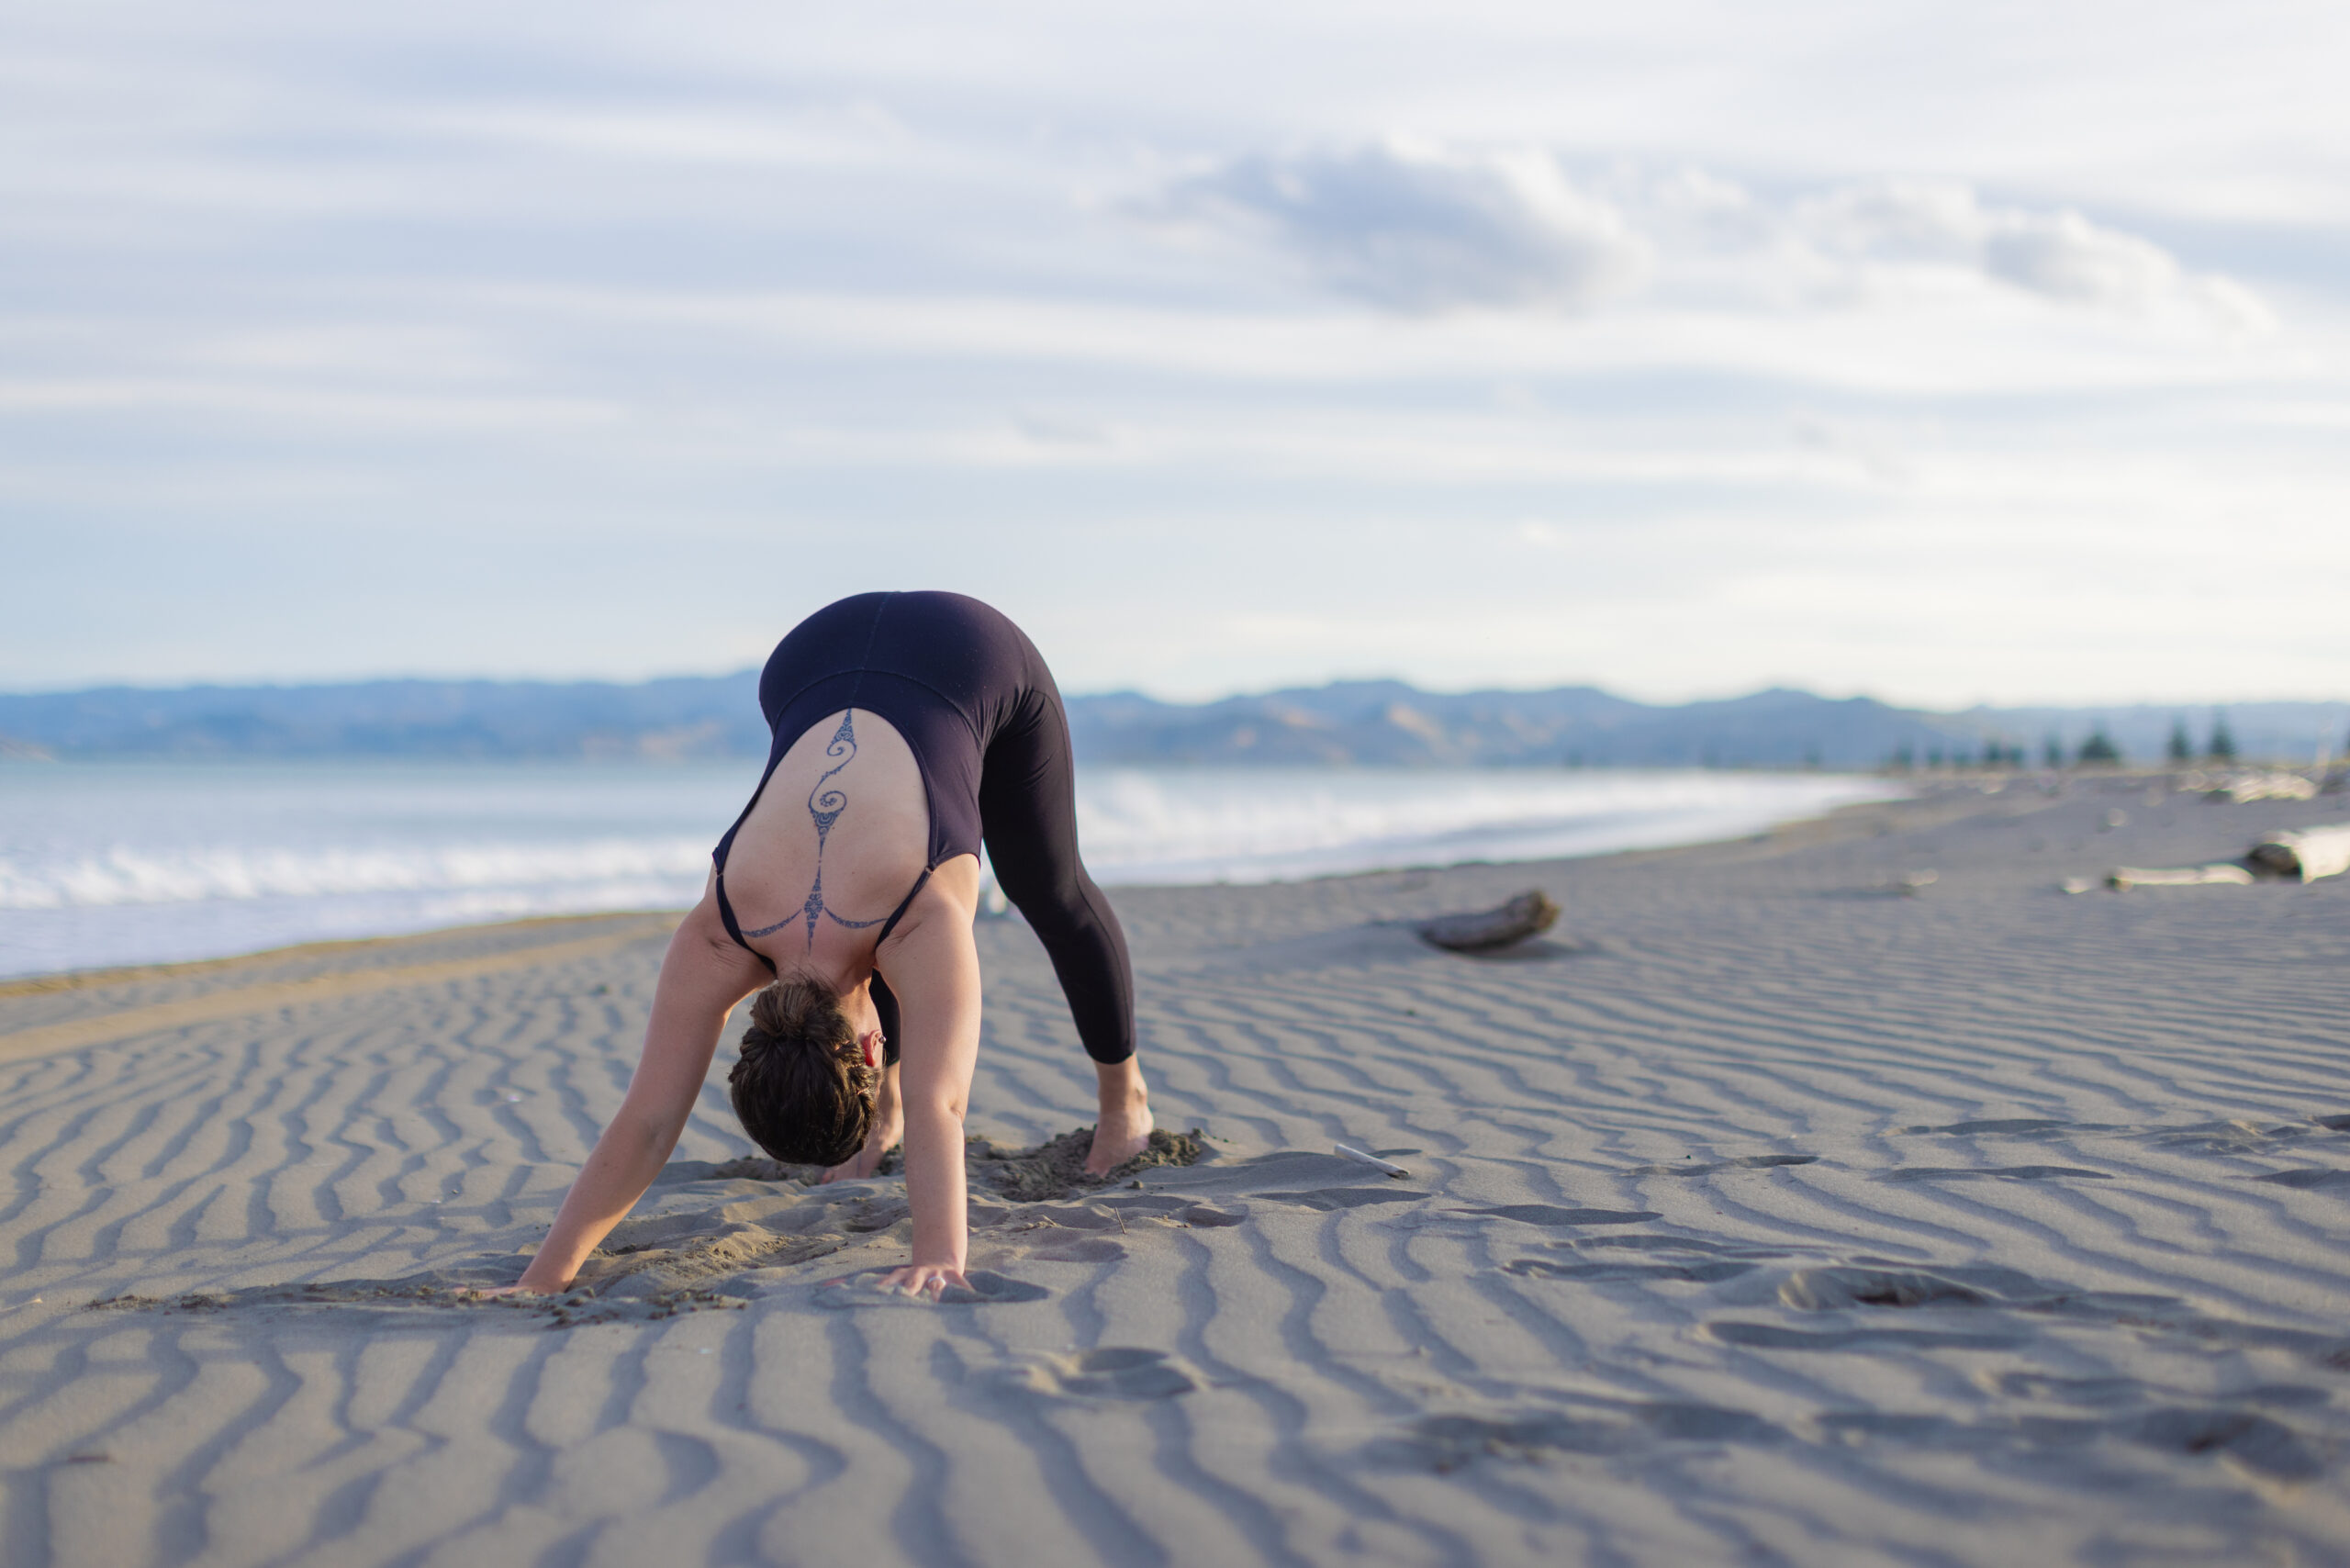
1765, 1212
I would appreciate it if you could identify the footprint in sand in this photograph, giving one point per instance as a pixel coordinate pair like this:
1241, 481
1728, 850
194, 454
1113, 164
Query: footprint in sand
2253, 1442
1966, 1285
1447, 1442
1826, 1290
1109, 1371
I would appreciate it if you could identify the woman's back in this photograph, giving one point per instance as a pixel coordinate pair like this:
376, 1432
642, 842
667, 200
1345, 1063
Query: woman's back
835, 842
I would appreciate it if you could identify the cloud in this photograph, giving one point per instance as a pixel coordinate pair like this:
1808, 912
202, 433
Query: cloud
2058, 255
1415, 228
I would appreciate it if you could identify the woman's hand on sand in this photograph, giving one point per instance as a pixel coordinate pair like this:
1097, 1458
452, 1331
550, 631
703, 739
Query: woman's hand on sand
928, 1280
924, 1279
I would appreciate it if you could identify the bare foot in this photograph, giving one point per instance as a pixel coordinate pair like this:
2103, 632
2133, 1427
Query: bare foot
1124, 1130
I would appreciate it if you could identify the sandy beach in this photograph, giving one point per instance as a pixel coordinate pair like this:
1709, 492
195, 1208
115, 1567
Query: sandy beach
1782, 1207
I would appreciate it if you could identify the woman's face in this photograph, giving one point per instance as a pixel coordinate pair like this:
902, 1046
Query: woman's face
865, 1020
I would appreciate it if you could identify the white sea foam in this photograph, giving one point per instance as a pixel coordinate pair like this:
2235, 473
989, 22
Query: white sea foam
1260, 824
104, 866
122, 875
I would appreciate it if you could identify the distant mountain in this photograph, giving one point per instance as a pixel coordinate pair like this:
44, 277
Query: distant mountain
479, 719
1364, 722
1387, 722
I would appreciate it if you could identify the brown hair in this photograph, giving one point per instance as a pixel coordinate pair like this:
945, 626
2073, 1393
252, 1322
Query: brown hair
801, 1085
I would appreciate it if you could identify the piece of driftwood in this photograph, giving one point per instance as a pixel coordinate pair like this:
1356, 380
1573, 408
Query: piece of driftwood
2121, 879
2312, 853
2261, 784
1529, 915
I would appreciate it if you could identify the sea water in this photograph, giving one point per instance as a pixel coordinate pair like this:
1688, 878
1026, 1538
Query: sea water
105, 865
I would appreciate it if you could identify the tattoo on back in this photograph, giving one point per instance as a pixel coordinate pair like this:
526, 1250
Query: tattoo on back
824, 808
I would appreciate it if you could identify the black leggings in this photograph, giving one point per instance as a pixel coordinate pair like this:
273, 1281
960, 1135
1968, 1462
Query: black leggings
973, 698
1028, 801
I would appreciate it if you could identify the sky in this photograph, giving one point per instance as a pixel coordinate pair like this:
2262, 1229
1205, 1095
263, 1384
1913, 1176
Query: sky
1942, 353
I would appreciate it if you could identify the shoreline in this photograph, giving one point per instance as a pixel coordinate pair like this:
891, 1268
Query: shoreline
166, 995
272, 976
80, 978
161, 875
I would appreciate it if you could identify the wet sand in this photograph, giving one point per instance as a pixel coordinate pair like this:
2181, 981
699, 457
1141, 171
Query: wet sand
1779, 1206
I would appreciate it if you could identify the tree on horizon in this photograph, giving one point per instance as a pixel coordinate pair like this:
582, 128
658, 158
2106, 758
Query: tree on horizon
2224, 745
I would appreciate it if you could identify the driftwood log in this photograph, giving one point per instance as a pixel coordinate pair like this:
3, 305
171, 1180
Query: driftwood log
2259, 784
1529, 915
2309, 854
2121, 879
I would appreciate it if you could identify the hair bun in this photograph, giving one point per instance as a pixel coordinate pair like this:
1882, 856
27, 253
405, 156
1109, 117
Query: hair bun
794, 1009
800, 1083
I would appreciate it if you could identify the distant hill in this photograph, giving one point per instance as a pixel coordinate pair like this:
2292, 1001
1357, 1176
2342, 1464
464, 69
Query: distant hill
479, 719
1367, 722
1387, 722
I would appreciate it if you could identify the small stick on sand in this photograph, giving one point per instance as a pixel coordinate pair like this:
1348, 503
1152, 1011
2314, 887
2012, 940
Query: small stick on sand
1371, 1159
1529, 915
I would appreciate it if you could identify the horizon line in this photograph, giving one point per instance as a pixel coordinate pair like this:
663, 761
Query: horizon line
1767, 686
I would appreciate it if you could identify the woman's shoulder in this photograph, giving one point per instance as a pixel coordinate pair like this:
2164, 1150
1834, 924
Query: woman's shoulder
943, 906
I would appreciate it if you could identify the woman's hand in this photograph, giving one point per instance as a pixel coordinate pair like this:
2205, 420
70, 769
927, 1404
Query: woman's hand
933, 965
703, 975
930, 1279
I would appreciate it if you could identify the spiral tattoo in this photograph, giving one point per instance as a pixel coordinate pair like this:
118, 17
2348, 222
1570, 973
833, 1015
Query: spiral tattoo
824, 808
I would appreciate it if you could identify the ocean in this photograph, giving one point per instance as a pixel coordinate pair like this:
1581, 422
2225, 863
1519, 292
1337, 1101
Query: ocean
105, 865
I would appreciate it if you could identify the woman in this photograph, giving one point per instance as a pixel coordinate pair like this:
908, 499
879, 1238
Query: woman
908, 727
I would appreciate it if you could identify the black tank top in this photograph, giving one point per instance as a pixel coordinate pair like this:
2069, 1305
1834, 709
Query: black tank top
948, 672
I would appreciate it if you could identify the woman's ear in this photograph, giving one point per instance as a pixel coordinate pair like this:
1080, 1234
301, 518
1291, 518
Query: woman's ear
870, 1044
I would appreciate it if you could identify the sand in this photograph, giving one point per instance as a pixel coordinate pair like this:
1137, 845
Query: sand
1779, 1206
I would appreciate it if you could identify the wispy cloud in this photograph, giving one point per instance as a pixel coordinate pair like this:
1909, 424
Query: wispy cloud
2056, 254
1413, 226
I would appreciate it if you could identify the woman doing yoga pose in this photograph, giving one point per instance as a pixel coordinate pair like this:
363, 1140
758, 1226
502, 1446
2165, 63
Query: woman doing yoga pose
909, 728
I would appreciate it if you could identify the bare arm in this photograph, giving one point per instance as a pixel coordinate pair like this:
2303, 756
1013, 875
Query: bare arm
933, 965
703, 976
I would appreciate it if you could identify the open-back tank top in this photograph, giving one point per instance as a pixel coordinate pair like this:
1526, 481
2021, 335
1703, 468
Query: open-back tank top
948, 672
